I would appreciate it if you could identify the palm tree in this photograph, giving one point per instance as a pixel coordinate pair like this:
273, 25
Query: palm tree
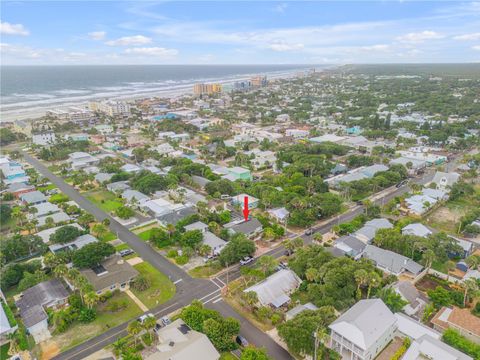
266, 263
374, 281
170, 229
250, 298
428, 258
311, 274
318, 237
90, 299
473, 261
134, 328
149, 324
471, 290
361, 278
60, 270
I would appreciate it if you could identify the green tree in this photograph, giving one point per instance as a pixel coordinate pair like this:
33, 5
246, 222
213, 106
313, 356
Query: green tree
298, 332
392, 299
237, 248
65, 234
250, 298
92, 254
252, 353
134, 328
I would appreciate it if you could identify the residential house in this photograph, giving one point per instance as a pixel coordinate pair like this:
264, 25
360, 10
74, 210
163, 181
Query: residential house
279, 214
297, 133
173, 217
44, 139
275, 290
200, 181
290, 314
79, 160
45, 234
17, 189
416, 229
118, 187
444, 180
408, 292
239, 200
427, 347
414, 166
33, 198
76, 244
251, 228
159, 207
466, 246
391, 262
363, 331
6, 327
414, 329
368, 231
239, 173
33, 303
130, 168
177, 341
459, 319
112, 274
101, 178
350, 246
135, 197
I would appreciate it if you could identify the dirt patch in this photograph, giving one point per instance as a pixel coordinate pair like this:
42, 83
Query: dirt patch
429, 283
388, 352
73, 337
50, 349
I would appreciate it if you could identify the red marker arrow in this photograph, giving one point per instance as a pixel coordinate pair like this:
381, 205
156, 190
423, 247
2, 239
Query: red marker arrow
245, 208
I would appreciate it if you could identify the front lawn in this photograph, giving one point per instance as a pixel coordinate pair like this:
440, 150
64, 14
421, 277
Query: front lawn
105, 320
161, 288
206, 271
109, 236
104, 199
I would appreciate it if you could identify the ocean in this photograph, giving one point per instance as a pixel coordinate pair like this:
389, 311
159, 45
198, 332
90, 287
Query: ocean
32, 89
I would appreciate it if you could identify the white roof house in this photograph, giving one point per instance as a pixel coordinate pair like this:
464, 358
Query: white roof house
275, 289
445, 180
416, 229
177, 341
368, 231
414, 329
430, 348
390, 261
364, 330
45, 234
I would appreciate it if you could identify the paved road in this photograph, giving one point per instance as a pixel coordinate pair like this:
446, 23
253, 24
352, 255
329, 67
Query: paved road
188, 288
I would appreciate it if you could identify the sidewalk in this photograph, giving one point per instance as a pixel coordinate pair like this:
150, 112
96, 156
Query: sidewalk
136, 300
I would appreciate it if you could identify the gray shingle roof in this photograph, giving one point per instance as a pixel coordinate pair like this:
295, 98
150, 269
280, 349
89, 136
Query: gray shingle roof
391, 261
247, 227
33, 300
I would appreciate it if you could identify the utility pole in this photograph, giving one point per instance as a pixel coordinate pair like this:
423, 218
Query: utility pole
315, 337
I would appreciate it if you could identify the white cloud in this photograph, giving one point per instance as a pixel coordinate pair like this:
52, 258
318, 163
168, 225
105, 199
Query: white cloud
130, 40
285, 47
152, 51
468, 37
19, 51
476, 47
13, 29
280, 8
419, 37
97, 35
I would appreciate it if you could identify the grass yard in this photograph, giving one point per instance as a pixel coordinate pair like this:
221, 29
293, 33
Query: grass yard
109, 236
145, 235
205, 271
104, 199
122, 247
4, 351
46, 188
228, 356
161, 289
105, 320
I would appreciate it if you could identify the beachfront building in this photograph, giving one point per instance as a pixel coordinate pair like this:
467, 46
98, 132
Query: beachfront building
110, 107
209, 89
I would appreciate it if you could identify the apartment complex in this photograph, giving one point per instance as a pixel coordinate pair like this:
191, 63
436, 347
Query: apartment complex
111, 108
201, 89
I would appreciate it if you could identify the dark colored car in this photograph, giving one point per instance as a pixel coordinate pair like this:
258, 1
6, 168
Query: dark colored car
309, 232
241, 341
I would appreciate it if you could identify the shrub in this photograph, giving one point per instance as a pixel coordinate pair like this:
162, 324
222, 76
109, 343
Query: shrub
402, 349
453, 338
276, 318
147, 339
106, 295
117, 305
181, 260
141, 283
172, 253
87, 315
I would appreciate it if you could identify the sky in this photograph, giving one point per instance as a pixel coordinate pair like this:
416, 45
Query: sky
238, 32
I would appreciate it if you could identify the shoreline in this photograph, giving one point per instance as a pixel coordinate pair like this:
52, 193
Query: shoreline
31, 112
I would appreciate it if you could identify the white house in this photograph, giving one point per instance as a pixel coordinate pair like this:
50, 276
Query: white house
44, 139
363, 331
445, 180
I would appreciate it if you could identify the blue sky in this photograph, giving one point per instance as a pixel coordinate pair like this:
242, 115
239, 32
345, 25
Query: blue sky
228, 32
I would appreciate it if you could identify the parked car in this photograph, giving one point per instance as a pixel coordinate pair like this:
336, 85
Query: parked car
209, 257
165, 321
126, 252
157, 327
401, 183
144, 317
241, 341
288, 252
246, 260
309, 232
